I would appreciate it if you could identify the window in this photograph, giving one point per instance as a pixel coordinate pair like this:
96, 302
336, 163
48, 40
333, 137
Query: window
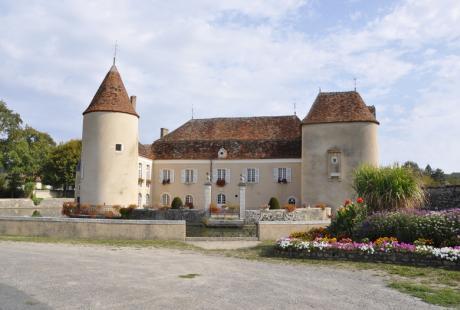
140, 170
118, 147
165, 200
282, 175
334, 164
252, 175
147, 172
139, 200
188, 200
291, 200
189, 176
147, 200
166, 176
221, 200
221, 174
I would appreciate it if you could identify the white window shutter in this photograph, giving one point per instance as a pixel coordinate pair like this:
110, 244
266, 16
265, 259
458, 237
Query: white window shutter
195, 175
214, 175
227, 175
257, 175
288, 175
275, 175
171, 175
182, 176
160, 176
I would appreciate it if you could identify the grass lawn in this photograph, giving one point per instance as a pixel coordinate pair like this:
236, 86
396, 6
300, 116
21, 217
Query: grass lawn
433, 285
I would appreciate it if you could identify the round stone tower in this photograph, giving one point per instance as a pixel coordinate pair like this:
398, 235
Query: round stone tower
338, 135
108, 171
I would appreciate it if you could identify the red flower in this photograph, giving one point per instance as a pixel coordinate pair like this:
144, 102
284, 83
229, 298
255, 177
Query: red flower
360, 200
347, 202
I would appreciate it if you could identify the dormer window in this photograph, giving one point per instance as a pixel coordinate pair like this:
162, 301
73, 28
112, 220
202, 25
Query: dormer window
222, 153
334, 164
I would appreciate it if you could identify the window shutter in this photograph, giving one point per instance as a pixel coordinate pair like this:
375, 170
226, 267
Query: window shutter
214, 175
195, 175
227, 175
160, 177
257, 175
288, 175
171, 172
182, 176
275, 175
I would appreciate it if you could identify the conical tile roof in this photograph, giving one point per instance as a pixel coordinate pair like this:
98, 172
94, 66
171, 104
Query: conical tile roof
336, 107
111, 96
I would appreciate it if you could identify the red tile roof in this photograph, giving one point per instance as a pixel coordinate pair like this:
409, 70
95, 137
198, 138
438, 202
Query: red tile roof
238, 128
339, 107
242, 137
111, 96
145, 150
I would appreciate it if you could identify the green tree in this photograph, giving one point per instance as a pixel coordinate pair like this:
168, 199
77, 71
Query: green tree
59, 170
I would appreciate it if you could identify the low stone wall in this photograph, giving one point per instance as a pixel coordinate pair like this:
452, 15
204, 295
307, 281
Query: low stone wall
25, 207
274, 230
301, 214
92, 228
398, 258
190, 216
443, 197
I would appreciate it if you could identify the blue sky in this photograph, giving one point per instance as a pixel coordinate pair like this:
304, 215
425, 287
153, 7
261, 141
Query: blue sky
241, 58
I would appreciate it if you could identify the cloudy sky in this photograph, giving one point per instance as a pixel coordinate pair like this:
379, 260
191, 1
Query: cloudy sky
241, 58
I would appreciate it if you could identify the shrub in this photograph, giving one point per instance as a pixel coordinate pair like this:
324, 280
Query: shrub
126, 212
388, 188
312, 234
36, 200
441, 228
176, 203
29, 188
70, 208
347, 218
36, 213
274, 204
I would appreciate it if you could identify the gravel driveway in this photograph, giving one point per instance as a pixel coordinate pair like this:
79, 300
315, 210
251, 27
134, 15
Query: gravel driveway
58, 276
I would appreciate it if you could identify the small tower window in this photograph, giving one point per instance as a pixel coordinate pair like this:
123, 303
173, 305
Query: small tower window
334, 164
118, 147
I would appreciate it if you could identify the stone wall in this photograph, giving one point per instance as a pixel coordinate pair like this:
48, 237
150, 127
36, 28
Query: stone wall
92, 228
301, 214
443, 197
274, 230
25, 207
190, 216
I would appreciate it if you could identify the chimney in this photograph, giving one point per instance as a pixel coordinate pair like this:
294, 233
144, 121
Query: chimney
163, 132
133, 101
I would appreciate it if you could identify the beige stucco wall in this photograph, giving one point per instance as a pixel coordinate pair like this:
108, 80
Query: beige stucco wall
280, 229
357, 143
109, 177
256, 194
92, 228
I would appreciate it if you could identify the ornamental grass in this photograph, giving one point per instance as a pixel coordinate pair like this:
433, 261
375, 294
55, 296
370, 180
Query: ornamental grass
388, 188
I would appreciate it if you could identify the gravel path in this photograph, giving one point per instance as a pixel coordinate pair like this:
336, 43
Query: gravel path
58, 276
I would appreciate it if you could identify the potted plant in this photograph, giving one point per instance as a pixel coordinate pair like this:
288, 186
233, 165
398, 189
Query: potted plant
220, 182
282, 181
166, 181
140, 180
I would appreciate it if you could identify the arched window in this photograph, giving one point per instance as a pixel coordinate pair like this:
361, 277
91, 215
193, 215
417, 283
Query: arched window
221, 199
140, 170
188, 200
147, 200
165, 200
291, 200
147, 172
139, 200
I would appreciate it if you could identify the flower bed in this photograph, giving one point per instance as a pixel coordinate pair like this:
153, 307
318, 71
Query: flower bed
382, 250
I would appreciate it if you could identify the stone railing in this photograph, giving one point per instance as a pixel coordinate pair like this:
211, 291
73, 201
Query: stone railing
301, 214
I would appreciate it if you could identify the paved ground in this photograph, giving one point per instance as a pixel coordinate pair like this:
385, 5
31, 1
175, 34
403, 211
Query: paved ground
56, 276
227, 245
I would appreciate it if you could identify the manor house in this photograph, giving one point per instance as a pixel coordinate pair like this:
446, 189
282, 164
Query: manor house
237, 160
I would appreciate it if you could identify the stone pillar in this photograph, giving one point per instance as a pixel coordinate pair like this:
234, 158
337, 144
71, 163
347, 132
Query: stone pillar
207, 194
242, 186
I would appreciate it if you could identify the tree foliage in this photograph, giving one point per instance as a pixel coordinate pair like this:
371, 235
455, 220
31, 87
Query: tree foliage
59, 170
